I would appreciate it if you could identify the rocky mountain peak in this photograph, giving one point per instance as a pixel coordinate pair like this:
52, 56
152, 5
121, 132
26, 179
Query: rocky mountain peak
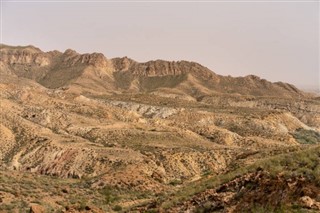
70, 52
71, 57
122, 64
28, 48
252, 77
23, 55
55, 69
161, 68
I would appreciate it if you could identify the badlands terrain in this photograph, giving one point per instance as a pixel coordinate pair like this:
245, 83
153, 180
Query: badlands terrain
85, 133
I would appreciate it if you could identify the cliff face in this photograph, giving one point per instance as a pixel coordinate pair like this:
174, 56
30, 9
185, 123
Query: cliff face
32, 56
51, 69
55, 69
72, 58
28, 55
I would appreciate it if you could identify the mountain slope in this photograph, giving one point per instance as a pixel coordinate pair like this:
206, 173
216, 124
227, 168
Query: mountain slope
95, 73
80, 132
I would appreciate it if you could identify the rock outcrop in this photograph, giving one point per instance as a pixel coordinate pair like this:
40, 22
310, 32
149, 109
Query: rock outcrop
55, 69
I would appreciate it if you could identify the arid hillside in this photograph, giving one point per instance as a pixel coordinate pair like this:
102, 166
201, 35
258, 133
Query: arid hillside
96, 74
83, 133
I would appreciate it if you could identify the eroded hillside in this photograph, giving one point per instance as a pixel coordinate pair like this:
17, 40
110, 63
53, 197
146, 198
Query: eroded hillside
95, 73
118, 135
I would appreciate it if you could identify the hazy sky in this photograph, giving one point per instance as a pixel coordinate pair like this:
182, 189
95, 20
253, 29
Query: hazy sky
278, 41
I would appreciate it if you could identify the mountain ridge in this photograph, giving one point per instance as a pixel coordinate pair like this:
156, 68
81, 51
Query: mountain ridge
55, 69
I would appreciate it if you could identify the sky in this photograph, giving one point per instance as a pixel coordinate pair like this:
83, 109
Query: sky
276, 40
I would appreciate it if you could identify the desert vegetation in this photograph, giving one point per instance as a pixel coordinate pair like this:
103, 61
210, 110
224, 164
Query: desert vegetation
83, 133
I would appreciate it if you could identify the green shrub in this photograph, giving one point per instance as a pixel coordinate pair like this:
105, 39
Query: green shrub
109, 195
117, 208
175, 182
305, 136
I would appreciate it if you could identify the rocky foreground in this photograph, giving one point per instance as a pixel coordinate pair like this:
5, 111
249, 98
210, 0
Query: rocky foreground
80, 132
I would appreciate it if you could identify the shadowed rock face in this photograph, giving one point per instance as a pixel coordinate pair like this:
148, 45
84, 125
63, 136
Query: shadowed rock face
119, 132
55, 69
